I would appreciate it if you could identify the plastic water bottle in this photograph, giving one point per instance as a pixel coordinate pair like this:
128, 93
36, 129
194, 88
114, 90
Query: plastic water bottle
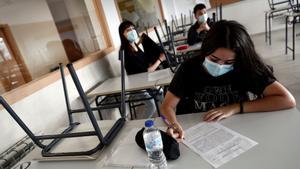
154, 146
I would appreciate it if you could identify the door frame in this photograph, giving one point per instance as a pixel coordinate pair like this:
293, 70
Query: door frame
4, 28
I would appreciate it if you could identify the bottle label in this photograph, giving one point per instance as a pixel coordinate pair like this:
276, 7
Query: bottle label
154, 144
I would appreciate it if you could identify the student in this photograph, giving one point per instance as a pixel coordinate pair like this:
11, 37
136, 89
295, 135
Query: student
219, 80
198, 31
141, 54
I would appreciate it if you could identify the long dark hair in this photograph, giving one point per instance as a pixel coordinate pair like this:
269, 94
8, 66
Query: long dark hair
124, 41
232, 35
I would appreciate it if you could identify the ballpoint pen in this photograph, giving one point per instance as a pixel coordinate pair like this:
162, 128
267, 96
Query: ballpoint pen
170, 125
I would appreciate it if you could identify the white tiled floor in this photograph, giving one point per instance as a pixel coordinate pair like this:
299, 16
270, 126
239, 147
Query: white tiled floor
286, 70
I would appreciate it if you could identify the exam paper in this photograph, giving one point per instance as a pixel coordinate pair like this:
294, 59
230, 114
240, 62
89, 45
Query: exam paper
216, 143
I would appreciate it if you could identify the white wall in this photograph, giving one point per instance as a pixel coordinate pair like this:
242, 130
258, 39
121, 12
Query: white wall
113, 20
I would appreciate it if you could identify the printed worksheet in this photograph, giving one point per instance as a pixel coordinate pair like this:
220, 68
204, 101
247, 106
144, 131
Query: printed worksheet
216, 143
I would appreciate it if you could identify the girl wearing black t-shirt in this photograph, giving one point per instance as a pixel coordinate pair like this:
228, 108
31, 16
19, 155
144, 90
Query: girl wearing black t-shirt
219, 80
141, 54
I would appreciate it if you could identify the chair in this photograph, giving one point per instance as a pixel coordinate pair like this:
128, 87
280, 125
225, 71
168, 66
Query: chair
105, 103
170, 60
277, 8
56, 138
293, 18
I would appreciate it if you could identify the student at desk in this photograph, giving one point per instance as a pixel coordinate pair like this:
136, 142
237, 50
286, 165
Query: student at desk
198, 31
141, 54
219, 80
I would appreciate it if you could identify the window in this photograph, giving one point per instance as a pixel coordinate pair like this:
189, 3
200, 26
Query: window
48, 32
143, 13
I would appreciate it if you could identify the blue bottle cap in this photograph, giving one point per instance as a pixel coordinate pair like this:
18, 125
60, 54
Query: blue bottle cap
149, 123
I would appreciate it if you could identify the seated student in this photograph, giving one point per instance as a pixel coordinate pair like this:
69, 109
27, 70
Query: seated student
141, 54
217, 82
198, 31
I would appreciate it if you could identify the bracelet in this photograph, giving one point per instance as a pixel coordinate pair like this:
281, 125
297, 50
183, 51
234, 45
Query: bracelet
172, 126
241, 107
159, 60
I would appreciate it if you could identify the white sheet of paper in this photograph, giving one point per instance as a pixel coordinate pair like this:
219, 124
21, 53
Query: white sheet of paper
216, 143
160, 74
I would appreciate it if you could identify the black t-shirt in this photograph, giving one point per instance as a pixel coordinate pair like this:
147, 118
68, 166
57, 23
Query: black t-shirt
194, 36
138, 62
199, 91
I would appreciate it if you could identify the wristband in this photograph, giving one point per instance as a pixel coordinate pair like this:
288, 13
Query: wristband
241, 107
172, 126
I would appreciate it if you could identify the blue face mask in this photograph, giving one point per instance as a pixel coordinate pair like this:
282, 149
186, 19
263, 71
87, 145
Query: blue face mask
203, 18
132, 36
216, 69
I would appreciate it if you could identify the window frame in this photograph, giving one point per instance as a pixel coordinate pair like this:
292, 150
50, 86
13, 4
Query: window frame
37, 84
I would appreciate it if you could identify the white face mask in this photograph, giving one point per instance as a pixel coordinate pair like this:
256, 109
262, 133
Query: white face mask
216, 69
203, 18
132, 36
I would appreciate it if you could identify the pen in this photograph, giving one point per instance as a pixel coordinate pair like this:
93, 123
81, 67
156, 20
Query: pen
165, 120
170, 125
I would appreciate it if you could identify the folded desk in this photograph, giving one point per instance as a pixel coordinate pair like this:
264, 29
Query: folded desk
277, 134
134, 82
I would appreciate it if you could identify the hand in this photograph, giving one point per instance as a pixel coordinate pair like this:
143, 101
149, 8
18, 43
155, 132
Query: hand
162, 58
220, 113
151, 69
176, 132
203, 27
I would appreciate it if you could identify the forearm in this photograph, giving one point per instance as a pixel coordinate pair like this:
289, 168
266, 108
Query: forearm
154, 66
269, 103
169, 113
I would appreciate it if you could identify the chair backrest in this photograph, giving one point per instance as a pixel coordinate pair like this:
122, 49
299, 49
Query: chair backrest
161, 28
66, 95
276, 3
169, 60
295, 5
123, 106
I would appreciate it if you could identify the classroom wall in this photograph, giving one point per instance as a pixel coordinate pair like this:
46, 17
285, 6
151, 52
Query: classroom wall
113, 20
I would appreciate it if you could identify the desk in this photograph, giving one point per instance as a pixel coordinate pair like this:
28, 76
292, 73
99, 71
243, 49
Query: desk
191, 48
276, 132
181, 55
134, 82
